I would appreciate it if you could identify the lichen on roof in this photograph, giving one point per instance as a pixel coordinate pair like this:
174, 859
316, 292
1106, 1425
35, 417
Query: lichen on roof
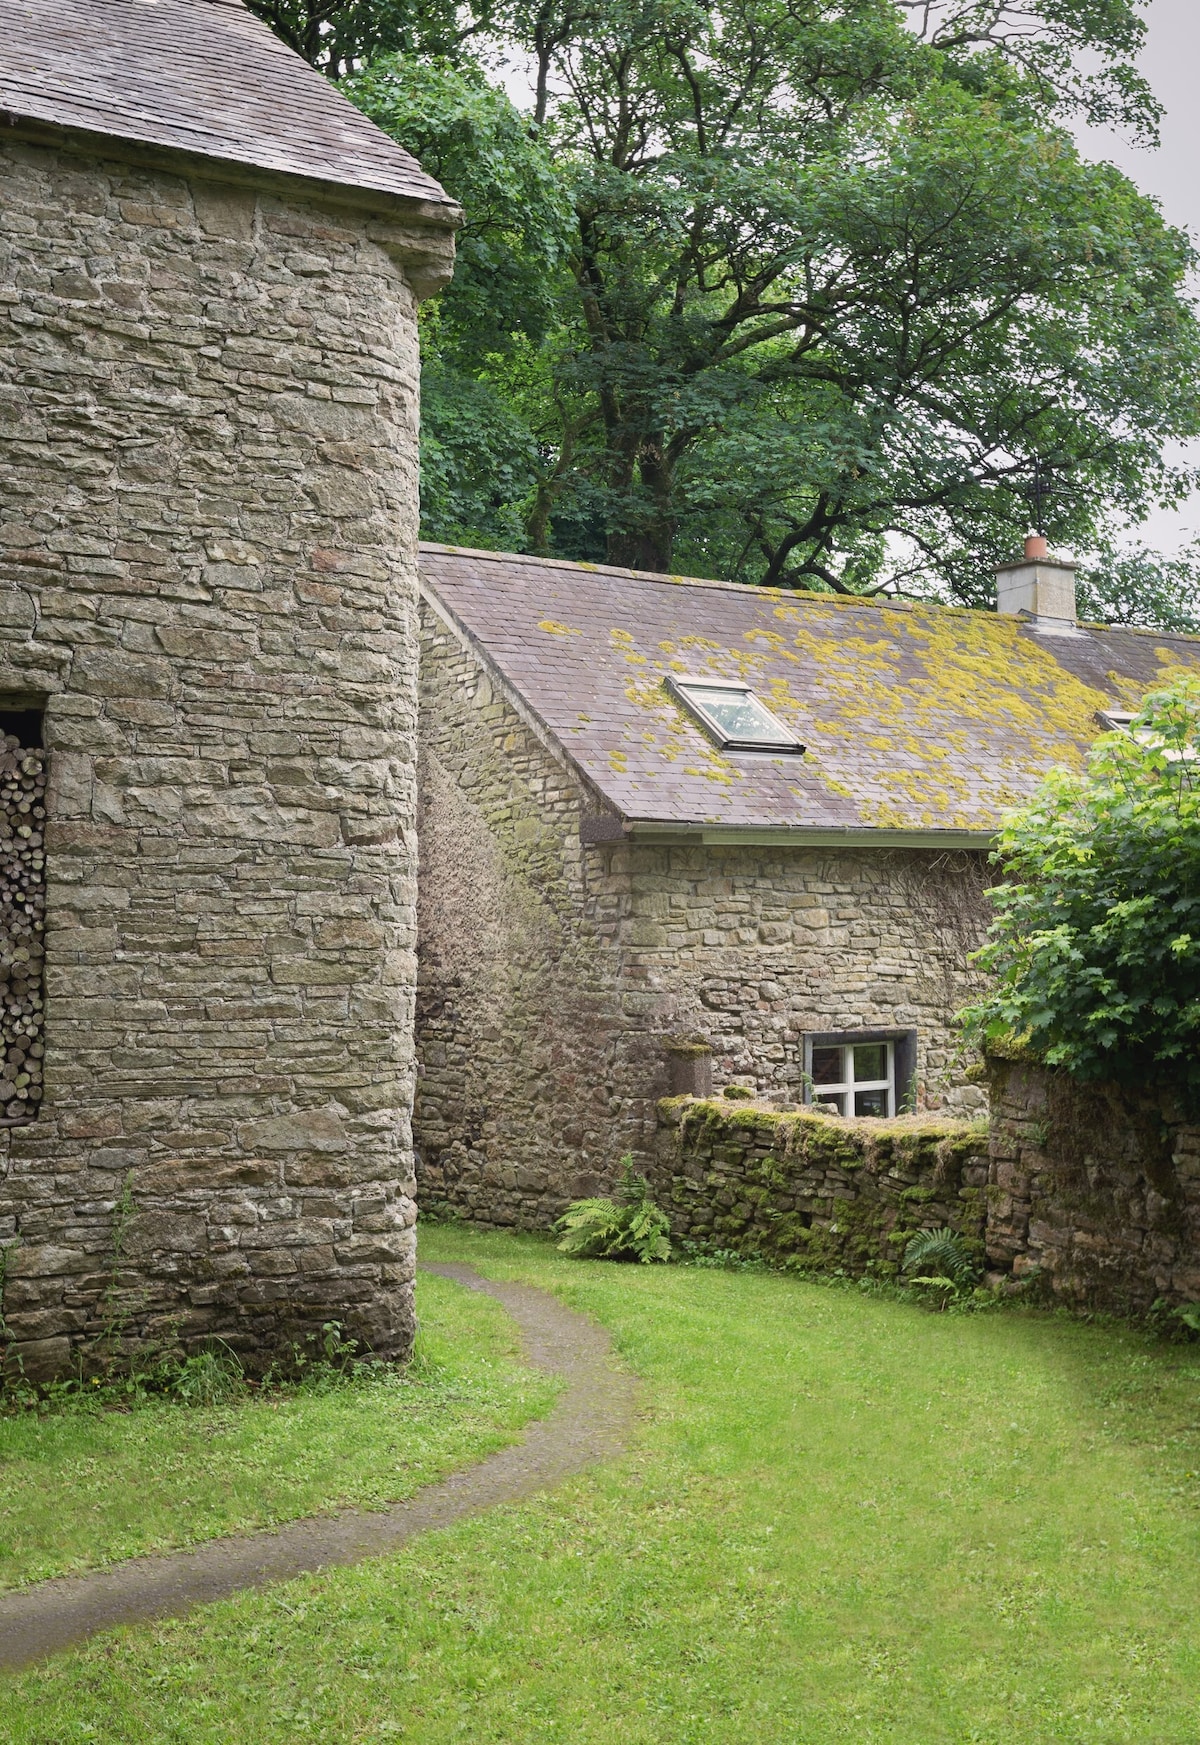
920, 718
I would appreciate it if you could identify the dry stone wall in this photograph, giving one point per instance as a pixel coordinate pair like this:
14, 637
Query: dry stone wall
208, 406
1095, 1191
557, 973
812, 1192
1084, 1194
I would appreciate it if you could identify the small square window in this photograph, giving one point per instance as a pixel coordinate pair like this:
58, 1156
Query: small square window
734, 716
867, 1078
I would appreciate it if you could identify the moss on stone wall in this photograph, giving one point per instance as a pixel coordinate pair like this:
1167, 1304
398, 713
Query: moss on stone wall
812, 1191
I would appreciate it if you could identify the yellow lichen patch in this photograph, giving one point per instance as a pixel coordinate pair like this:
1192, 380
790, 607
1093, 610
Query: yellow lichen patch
1172, 663
936, 712
553, 628
622, 637
776, 642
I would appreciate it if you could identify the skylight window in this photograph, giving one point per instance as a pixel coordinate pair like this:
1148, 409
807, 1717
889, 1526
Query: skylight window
736, 718
1120, 720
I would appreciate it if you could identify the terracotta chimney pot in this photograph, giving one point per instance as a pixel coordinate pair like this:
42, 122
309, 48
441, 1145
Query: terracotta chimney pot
1036, 548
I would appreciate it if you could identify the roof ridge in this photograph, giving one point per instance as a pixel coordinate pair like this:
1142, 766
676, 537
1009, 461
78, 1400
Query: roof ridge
660, 577
792, 595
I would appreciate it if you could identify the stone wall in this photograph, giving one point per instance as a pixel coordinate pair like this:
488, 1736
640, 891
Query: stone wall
555, 971
752, 947
208, 403
523, 1088
1095, 1192
1083, 1194
814, 1192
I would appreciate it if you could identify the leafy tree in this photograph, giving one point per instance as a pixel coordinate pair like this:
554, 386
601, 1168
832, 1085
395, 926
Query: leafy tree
1138, 586
833, 286
480, 455
341, 36
795, 291
1096, 944
1074, 55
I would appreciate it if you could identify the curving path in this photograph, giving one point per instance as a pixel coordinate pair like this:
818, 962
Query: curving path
589, 1422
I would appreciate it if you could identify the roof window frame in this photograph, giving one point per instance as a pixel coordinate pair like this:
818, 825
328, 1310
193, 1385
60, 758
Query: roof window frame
787, 744
1122, 720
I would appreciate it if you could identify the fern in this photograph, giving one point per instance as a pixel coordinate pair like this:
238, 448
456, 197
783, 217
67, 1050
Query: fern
940, 1256
630, 1227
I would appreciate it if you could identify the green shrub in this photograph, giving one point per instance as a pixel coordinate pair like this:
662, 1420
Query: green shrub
630, 1227
1096, 944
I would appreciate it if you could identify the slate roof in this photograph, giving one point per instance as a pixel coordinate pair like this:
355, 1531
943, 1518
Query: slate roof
916, 718
200, 76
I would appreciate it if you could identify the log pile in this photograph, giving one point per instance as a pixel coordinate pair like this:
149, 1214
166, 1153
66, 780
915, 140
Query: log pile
22, 919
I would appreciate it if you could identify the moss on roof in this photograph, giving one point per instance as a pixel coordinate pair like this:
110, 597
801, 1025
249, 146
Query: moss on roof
918, 717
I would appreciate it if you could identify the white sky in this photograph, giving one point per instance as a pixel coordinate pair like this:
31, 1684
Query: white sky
1172, 173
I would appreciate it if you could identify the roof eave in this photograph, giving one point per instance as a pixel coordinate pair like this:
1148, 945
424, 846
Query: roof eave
804, 836
417, 232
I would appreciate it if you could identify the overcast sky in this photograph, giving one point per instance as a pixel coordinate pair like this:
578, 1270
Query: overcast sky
1172, 173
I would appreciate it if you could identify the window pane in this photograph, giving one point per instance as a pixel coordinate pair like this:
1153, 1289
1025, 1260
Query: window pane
871, 1103
738, 714
870, 1062
827, 1066
826, 1104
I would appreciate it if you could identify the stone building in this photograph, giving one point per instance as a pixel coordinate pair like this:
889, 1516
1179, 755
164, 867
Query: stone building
208, 503
661, 817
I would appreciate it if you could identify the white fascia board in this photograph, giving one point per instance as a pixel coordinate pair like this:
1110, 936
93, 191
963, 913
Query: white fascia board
788, 836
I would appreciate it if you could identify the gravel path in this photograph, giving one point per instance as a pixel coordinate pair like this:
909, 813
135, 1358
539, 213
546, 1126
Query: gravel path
590, 1422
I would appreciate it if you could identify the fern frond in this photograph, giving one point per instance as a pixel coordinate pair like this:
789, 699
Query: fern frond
941, 1253
631, 1228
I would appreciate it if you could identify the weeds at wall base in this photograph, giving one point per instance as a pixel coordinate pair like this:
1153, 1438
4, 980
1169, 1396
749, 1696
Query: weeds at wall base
321, 1363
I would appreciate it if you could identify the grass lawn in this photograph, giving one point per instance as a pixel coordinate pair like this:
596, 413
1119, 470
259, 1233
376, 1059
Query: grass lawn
844, 1519
87, 1488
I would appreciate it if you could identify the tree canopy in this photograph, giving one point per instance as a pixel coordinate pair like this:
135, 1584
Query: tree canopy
796, 291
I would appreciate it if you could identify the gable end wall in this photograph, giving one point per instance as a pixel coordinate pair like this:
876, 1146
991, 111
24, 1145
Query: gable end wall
522, 1043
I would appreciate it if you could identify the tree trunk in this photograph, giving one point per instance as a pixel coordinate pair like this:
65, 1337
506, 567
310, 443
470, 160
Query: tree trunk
651, 545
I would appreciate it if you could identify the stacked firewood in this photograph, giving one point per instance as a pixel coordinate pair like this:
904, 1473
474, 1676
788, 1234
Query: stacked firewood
22, 919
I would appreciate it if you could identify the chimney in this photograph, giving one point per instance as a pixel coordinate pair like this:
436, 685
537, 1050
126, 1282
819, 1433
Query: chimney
1040, 587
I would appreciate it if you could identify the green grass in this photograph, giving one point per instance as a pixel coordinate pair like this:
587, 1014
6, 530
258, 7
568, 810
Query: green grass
844, 1519
84, 1488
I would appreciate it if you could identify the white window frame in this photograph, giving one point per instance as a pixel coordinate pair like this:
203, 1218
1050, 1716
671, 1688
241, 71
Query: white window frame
849, 1085
1115, 719
787, 742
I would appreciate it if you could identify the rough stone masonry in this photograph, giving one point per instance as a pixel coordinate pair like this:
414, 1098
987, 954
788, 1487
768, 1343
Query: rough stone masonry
208, 501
